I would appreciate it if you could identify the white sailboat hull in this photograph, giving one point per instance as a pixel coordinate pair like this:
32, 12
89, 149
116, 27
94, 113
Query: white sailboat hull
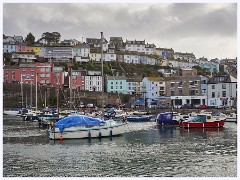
81, 132
14, 113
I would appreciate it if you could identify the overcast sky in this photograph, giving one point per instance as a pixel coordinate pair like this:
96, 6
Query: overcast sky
208, 30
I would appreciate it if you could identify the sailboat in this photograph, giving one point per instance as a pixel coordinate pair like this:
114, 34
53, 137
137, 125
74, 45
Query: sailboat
81, 126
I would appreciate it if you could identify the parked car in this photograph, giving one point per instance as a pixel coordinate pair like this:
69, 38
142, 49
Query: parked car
187, 106
202, 107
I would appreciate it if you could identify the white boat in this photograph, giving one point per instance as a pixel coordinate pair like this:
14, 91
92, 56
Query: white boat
232, 117
12, 112
81, 126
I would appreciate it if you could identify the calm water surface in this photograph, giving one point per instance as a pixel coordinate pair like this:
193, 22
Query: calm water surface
144, 150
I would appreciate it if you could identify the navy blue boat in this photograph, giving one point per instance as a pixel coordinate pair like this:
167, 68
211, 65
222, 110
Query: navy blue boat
140, 118
166, 119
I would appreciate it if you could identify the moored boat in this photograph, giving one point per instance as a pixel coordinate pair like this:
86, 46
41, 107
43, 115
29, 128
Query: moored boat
232, 117
202, 121
81, 126
139, 118
166, 119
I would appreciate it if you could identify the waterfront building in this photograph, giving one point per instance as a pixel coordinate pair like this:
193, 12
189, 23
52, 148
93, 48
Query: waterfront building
222, 91
93, 81
117, 84
133, 85
57, 76
9, 74
186, 90
77, 79
153, 88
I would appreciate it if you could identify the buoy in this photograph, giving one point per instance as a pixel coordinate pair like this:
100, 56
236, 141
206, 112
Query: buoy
61, 138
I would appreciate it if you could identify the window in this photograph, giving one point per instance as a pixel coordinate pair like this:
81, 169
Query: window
213, 86
111, 87
42, 75
172, 93
223, 86
24, 69
48, 75
42, 69
47, 69
213, 94
224, 94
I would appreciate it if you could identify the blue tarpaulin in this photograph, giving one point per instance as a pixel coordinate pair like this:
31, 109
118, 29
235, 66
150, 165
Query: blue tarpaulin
77, 120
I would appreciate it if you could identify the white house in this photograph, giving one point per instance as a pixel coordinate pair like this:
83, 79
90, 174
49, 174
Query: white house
222, 91
129, 58
93, 83
152, 88
138, 46
82, 50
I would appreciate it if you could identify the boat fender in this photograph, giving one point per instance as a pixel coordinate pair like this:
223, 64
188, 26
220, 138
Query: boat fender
111, 133
61, 138
100, 135
89, 134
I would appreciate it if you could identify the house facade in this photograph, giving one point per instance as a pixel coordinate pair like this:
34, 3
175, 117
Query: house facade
222, 91
117, 84
138, 46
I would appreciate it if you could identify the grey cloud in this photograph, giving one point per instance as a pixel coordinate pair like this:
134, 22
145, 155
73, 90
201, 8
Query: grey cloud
162, 24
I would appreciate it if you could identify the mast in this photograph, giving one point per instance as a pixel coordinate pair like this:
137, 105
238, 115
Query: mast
22, 90
102, 65
36, 92
58, 93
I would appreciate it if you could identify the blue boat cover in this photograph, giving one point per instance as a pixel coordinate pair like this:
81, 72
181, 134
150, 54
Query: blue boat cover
77, 120
165, 116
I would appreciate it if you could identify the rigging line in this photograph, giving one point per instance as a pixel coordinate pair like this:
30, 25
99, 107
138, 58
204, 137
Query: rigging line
41, 95
64, 96
115, 79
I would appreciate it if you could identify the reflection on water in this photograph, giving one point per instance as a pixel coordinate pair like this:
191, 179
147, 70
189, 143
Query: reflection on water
144, 150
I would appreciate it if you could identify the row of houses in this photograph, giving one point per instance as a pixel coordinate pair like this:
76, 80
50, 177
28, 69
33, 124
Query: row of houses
189, 88
130, 51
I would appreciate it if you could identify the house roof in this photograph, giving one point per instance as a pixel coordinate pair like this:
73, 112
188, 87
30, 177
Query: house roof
116, 78
221, 79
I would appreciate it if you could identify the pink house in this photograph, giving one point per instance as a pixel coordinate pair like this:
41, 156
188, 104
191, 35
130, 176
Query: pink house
22, 47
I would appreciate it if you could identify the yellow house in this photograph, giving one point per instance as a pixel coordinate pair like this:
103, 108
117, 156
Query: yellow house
37, 49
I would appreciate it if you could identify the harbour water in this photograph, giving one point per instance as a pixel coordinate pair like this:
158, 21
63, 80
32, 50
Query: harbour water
144, 150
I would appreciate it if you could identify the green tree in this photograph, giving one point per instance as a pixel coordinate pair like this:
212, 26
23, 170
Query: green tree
56, 37
30, 39
200, 71
53, 37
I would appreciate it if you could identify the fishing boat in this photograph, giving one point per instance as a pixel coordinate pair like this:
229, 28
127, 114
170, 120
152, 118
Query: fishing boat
202, 121
166, 119
81, 126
